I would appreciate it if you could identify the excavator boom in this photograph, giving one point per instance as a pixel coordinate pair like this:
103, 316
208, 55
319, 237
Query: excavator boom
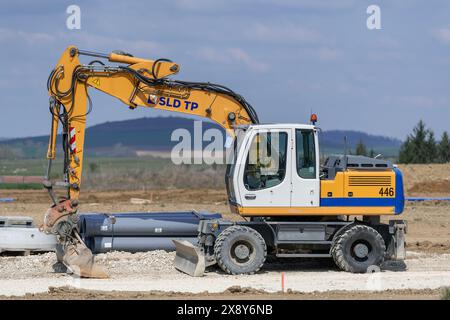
136, 82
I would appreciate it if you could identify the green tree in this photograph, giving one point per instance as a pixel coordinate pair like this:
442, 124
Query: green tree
431, 148
406, 152
361, 149
444, 148
372, 153
94, 167
419, 147
419, 143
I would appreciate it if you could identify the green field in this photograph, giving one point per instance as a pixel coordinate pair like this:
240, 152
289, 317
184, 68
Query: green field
38, 167
21, 186
121, 173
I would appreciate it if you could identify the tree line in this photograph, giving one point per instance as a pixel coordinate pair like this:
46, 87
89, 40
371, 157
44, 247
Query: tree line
361, 150
420, 146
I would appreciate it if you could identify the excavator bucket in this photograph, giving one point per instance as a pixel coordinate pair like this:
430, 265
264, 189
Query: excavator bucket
79, 259
70, 249
189, 258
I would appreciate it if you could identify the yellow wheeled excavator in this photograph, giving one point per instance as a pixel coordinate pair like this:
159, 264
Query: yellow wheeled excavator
293, 206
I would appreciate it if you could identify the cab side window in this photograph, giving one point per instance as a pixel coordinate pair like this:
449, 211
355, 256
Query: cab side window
266, 161
305, 154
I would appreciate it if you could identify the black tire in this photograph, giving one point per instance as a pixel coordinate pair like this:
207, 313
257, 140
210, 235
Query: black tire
358, 249
240, 250
337, 235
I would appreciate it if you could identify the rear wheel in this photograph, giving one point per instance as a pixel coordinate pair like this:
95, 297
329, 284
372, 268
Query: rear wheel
240, 250
358, 249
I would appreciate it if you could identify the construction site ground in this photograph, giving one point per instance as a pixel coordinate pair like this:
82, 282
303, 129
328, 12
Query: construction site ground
151, 275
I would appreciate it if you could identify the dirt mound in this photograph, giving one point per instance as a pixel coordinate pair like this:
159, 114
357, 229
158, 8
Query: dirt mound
235, 292
431, 187
245, 290
426, 179
429, 247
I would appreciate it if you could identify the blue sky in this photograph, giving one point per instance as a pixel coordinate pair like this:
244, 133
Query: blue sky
287, 57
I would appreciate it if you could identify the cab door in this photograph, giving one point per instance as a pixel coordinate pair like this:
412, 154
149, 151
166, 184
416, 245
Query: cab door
305, 169
263, 179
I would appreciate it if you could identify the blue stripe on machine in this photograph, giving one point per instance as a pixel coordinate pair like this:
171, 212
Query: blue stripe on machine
399, 194
357, 202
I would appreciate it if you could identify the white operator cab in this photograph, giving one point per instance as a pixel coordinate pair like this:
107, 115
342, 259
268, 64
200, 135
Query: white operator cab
275, 166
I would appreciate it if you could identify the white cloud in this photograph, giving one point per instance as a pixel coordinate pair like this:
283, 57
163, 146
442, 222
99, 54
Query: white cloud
316, 4
418, 101
387, 42
242, 56
31, 38
282, 33
328, 54
83, 40
202, 5
442, 34
212, 55
386, 55
231, 56
144, 48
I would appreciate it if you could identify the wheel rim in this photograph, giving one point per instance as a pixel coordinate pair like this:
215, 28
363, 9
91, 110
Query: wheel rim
361, 250
242, 252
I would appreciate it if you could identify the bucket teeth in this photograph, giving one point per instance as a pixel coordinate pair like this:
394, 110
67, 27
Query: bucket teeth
189, 258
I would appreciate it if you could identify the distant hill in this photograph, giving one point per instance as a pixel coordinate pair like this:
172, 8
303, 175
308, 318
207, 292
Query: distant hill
154, 134
334, 141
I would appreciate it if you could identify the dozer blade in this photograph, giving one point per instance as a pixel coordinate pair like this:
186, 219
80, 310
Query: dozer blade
80, 260
189, 258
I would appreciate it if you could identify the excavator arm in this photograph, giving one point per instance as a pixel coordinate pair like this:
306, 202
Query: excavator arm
136, 82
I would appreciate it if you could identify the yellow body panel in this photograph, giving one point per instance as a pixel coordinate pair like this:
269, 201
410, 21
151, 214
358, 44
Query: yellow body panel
311, 211
334, 187
368, 184
359, 184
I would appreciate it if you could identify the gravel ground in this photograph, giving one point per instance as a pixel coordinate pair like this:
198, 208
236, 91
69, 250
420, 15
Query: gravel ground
117, 264
153, 271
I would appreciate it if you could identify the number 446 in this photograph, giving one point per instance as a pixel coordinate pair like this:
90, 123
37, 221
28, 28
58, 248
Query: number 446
385, 192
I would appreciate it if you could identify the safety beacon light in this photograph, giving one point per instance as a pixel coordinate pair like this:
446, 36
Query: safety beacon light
313, 118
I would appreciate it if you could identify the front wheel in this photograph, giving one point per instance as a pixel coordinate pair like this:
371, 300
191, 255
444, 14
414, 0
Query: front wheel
358, 249
240, 250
